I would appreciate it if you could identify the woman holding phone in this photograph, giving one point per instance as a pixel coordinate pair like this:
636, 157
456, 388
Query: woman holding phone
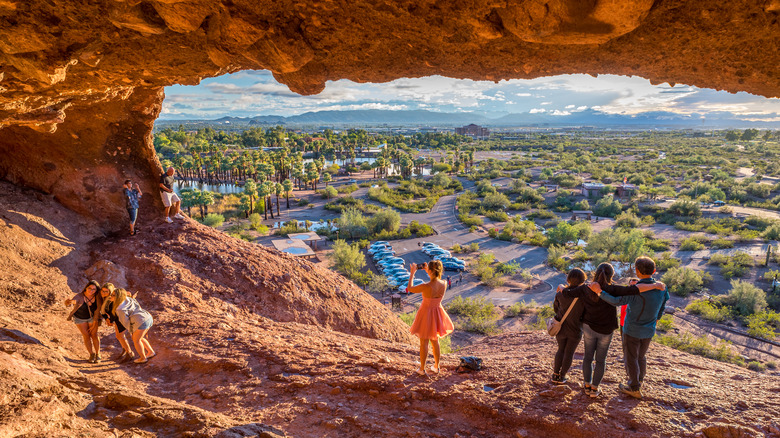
432, 321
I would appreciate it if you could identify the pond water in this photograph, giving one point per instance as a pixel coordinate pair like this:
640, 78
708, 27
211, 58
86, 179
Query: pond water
296, 251
224, 189
315, 226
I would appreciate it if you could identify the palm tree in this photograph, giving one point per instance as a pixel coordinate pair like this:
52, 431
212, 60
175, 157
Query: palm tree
270, 187
262, 192
326, 178
288, 186
250, 189
205, 198
278, 189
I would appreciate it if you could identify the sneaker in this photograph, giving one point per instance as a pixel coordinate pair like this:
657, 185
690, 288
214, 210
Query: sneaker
593, 392
178, 216
169, 220
91, 358
625, 389
98, 358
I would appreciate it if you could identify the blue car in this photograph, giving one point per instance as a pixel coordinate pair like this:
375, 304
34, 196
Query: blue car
449, 266
383, 255
391, 261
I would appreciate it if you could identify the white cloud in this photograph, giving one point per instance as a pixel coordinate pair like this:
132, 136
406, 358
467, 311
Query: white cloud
569, 106
537, 110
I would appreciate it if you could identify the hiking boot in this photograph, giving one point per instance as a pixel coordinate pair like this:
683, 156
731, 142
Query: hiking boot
625, 389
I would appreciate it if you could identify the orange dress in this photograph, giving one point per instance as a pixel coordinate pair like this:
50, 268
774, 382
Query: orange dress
432, 321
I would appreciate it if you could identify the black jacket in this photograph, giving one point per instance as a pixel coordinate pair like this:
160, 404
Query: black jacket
572, 326
599, 315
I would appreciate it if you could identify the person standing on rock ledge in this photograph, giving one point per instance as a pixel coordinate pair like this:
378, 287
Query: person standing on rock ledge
432, 321
132, 195
169, 198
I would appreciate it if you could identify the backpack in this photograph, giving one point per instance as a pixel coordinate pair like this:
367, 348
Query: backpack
469, 364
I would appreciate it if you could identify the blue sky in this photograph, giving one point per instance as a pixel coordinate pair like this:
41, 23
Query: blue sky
253, 93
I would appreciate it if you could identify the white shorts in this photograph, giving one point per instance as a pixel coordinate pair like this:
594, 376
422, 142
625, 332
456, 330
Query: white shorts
169, 198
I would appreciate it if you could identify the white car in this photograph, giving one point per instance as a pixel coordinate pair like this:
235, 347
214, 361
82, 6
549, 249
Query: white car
376, 249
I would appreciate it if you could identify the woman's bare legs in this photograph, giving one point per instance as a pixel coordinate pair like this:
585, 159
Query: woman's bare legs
138, 336
84, 330
423, 355
436, 354
149, 350
93, 335
122, 340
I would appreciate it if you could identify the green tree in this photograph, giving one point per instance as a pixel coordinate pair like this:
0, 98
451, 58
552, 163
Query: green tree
329, 192
288, 186
250, 189
607, 206
326, 178
189, 199
347, 259
745, 298
386, 219
353, 222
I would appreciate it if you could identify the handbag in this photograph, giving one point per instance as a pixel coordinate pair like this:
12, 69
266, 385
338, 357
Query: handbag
553, 325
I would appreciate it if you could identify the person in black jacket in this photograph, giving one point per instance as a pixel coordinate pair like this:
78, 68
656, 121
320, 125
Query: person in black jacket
600, 321
571, 329
108, 292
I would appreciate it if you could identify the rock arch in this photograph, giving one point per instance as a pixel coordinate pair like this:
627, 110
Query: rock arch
81, 82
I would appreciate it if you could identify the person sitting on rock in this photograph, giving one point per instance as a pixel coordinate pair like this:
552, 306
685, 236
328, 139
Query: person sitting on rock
132, 195
137, 320
599, 322
169, 198
85, 314
108, 292
570, 333
432, 321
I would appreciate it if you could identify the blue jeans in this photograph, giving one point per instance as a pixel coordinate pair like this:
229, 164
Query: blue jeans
596, 344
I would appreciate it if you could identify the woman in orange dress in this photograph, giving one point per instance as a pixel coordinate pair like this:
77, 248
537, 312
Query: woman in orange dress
432, 321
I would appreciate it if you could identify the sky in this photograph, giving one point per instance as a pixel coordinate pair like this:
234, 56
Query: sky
252, 93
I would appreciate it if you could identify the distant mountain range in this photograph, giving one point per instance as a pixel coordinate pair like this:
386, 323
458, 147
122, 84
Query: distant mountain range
421, 118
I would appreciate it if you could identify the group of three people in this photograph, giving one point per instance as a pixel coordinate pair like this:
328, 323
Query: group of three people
120, 310
588, 310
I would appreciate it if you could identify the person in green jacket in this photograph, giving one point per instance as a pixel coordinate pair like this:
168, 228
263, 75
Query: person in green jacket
643, 312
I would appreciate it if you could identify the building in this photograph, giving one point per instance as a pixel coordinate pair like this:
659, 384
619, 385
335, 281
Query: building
474, 131
625, 190
592, 189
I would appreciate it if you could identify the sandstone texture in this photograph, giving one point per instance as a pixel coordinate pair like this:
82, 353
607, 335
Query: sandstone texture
251, 343
94, 71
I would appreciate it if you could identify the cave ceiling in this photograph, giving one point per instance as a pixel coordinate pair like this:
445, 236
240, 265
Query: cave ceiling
59, 53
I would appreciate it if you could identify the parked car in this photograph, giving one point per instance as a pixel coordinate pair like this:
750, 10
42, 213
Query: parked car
390, 261
428, 249
450, 266
375, 249
416, 282
394, 271
437, 252
385, 253
445, 258
718, 204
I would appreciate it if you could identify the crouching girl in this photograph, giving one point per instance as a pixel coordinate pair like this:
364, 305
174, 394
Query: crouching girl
137, 320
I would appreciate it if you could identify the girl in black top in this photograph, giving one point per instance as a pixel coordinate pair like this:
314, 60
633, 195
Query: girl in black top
599, 322
571, 329
85, 314
108, 313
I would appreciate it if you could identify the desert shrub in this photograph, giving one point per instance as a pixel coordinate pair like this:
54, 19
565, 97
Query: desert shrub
685, 208
470, 220
518, 309
682, 281
666, 261
456, 248
771, 274
722, 243
477, 314
607, 206
542, 314
497, 215
665, 324
329, 192
709, 310
555, 257
420, 230
721, 351
772, 232
760, 223
745, 298
303, 202
659, 244
737, 265
542, 214
755, 365
473, 247
691, 244
628, 219
214, 220
764, 324
347, 188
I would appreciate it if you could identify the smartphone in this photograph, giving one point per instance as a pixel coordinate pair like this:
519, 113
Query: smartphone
421, 265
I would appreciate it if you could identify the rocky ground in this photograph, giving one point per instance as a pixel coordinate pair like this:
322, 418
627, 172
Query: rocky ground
251, 343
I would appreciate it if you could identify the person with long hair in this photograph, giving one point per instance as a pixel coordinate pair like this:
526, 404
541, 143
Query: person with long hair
86, 315
108, 292
431, 321
600, 321
137, 320
570, 333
